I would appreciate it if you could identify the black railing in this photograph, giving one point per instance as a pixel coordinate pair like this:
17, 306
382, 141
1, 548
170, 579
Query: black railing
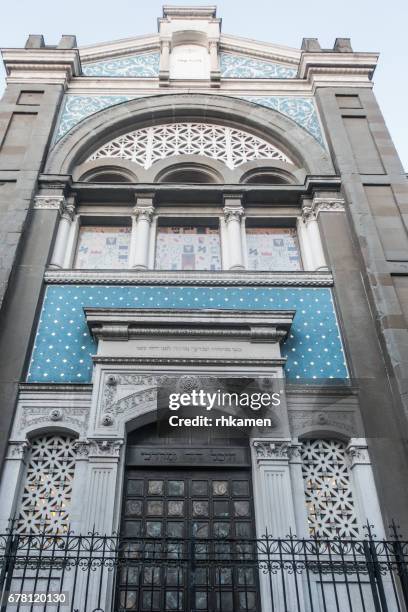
49, 572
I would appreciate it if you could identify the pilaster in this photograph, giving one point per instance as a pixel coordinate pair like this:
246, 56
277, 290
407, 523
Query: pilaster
13, 471
364, 486
274, 511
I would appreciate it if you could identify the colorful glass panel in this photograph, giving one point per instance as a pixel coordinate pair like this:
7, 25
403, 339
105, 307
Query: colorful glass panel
188, 248
103, 247
273, 248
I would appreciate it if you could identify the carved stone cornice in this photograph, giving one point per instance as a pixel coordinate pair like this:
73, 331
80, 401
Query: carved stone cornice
186, 362
127, 323
242, 278
41, 65
17, 450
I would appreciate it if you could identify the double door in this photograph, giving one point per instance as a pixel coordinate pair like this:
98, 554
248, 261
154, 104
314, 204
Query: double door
188, 541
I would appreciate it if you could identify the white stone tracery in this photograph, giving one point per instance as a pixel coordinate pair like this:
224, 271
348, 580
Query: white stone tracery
229, 145
47, 490
329, 496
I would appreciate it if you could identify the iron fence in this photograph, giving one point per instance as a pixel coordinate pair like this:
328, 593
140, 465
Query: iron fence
87, 573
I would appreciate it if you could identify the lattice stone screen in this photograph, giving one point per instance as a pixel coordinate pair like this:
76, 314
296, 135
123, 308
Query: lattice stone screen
47, 488
229, 145
328, 490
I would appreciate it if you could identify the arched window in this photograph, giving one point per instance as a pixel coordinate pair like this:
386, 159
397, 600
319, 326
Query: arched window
328, 489
47, 488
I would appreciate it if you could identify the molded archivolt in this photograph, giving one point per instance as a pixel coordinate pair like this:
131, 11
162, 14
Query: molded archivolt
292, 142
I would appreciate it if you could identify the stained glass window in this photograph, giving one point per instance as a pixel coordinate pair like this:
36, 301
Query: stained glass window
188, 248
273, 248
103, 247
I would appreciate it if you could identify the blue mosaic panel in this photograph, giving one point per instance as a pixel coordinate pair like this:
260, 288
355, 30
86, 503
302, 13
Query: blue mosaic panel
63, 346
140, 65
244, 67
301, 110
76, 108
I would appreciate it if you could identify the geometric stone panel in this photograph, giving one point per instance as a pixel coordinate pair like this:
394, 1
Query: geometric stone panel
63, 347
328, 490
46, 496
229, 145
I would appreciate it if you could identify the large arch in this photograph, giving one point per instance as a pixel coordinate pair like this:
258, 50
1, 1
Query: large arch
93, 132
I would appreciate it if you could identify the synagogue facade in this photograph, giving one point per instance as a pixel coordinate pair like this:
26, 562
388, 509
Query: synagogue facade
189, 208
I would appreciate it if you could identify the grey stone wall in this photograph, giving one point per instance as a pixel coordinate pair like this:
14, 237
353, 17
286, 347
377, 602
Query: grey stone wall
27, 117
370, 262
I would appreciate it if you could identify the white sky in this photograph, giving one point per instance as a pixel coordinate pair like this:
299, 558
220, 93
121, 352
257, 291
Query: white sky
372, 25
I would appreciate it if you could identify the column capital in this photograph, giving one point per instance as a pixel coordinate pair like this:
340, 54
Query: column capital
104, 447
267, 450
311, 208
67, 210
143, 213
357, 451
18, 450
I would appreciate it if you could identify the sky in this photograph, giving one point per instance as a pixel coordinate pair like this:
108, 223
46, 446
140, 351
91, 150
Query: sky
372, 25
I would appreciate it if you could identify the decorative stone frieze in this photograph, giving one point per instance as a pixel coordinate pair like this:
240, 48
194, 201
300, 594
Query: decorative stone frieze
30, 416
196, 278
49, 202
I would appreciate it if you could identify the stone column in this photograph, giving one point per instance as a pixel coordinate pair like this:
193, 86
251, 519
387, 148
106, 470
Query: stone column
67, 212
233, 213
364, 488
312, 242
274, 510
13, 472
142, 218
298, 489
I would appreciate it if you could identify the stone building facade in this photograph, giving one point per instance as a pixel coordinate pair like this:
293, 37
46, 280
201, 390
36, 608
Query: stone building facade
192, 204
